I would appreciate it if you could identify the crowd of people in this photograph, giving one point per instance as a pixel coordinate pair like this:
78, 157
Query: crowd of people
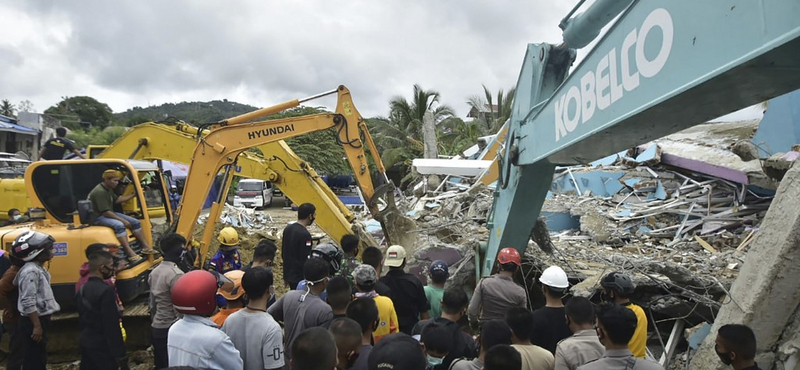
342, 312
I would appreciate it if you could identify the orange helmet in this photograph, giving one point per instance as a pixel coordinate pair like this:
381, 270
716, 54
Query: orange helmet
195, 293
509, 255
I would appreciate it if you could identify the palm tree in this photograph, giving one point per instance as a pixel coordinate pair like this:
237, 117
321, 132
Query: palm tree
6, 108
400, 135
458, 135
496, 118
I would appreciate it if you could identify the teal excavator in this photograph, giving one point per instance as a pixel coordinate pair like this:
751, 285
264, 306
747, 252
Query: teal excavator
661, 67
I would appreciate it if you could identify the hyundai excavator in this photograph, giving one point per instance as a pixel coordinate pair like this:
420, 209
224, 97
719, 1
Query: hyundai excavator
281, 166
660, 68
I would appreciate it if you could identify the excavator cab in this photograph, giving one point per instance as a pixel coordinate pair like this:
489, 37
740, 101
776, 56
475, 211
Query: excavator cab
61, 188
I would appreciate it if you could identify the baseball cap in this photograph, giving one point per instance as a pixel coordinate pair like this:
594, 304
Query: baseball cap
236, 277
438, 268
397, 351
365, 275
395, 256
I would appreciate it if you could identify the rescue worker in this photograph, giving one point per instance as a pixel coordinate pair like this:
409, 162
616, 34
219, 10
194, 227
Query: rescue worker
406, 290
617, 287
349, 245
174, 197
296, 244
583, 346
736, 346
195, 340
234, 297
329, 253
103, 198
56, 147
227, 257
36, 301
615, 328
548, 321
14, 217
9, 295
101, 341
495, 294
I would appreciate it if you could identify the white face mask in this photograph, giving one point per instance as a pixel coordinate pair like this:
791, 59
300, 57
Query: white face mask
17, 217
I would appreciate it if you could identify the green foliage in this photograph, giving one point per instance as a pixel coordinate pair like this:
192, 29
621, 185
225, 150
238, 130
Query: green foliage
399, 137
81, 111
95, 135
458, 135
192, 112
495, 118
7, 109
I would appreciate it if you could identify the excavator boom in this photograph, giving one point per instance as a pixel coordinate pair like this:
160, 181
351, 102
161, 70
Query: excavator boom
296, 179
662, 67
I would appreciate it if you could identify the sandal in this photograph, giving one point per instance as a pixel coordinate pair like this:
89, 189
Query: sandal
149, 251
134, 259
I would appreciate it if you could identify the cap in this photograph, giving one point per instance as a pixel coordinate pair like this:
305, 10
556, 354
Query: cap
236, 292
397, 351
438, 268
395, 256
365, 274
111, 173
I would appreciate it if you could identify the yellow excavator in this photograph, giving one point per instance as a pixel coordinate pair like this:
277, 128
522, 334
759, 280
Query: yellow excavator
279, 165
58, 189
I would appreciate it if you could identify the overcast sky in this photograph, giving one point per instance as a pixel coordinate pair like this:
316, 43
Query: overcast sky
141, 53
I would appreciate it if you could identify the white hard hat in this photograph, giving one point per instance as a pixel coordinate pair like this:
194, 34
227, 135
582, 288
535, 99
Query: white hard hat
555, 277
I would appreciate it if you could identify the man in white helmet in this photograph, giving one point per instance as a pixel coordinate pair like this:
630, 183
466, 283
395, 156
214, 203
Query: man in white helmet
548, 321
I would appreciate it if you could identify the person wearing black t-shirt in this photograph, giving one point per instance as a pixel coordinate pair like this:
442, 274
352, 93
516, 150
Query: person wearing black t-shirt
296, 245
56, 147
549, 325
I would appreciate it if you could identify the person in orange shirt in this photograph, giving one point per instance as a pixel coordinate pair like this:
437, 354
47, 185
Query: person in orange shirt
234, 297
365, 278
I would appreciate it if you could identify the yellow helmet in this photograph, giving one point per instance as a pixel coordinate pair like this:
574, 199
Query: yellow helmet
228, 236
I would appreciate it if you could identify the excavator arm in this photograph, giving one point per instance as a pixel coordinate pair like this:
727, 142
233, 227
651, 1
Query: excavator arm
228, 139
662, 67
295, 178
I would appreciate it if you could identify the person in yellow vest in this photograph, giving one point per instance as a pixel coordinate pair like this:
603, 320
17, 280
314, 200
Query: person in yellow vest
617, 288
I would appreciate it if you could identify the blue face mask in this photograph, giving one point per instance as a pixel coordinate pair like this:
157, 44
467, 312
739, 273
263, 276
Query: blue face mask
434, 361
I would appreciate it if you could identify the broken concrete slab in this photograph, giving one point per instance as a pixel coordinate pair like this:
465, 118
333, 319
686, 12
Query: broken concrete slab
768, 276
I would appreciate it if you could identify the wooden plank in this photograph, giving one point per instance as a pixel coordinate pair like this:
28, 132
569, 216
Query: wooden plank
746, 241
705, 244
672, 343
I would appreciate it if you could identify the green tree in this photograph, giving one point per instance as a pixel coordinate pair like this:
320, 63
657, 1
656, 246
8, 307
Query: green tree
496, 116
25, 106
399, 137
458, 135
81, 111
96, 135
6, 108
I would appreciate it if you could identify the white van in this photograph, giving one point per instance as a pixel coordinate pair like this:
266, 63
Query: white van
253, 193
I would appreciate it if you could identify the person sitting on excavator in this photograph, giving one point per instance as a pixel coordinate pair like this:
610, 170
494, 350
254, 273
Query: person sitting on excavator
103, 199
228, 257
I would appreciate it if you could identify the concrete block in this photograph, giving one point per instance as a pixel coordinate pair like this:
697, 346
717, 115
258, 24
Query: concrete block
766, 293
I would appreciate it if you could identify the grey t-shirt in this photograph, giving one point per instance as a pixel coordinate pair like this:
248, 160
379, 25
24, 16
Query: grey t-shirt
299, 311
258, 337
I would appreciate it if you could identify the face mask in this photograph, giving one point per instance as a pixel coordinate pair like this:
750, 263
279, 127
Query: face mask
107, 273
351, 359
17, 217
434, 361
606, 297
725, 357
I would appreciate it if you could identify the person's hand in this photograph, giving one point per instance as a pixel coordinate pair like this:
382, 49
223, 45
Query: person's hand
126, 223
38, 333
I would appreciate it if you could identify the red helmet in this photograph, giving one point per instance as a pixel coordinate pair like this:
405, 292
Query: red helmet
509, 255
195, 293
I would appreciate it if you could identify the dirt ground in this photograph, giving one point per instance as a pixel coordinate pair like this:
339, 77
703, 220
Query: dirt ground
277, 218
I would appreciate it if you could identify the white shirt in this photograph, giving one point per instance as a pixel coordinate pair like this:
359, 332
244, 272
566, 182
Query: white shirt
195, 341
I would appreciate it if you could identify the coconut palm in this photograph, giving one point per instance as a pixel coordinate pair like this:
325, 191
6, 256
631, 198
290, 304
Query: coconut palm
496, 117
6, 108
400, 135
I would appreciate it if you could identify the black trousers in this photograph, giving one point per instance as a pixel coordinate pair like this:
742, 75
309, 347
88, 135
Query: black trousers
15, 350
158, 337
94, 359
34, 354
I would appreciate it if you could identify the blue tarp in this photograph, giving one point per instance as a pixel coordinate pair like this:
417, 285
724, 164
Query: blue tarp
10, 127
